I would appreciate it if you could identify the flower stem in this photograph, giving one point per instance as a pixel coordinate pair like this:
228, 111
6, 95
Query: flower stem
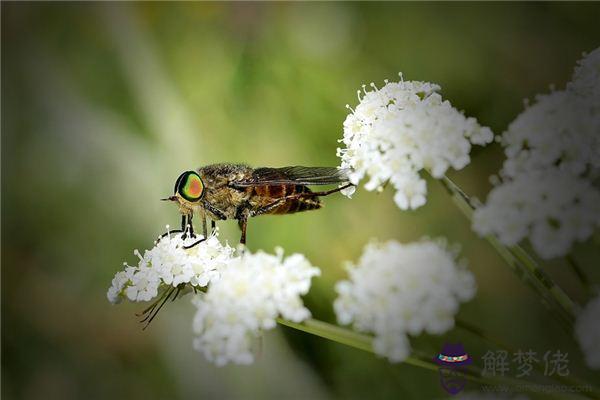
482, 334
522, 264
364, 342
347, 337
485, 336
583, 279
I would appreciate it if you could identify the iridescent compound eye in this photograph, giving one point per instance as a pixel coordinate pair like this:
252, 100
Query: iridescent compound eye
189, 186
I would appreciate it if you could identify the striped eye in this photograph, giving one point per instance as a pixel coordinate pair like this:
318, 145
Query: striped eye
189, 185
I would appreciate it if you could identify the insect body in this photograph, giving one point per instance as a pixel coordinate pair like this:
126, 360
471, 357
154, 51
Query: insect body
237, 191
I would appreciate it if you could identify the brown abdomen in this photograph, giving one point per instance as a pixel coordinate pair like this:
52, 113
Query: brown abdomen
290, 206
297, 205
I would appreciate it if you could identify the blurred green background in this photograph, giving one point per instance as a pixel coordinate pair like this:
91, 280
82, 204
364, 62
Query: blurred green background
103, 105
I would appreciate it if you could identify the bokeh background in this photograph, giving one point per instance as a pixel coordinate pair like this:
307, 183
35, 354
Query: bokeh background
103, 105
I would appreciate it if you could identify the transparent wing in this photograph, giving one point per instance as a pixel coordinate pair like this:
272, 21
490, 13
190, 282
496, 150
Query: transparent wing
297, 175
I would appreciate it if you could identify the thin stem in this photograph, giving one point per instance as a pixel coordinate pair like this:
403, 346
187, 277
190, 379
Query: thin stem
364, 342
331, 332
467, 326
524, 266
583, 279
482, 334
347, 337
418, 359
563, 299
475, 374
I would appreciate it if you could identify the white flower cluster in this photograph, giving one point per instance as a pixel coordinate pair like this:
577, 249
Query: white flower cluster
552, 156
402, 128
168, 263
587, 332
586, 78
561, 129
253, 290
553, 208
398, 289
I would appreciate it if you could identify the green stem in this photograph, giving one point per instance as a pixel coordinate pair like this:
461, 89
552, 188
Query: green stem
418, 359
365, 343
583, 279
563, 299
482, 334
349, 338
522, 264
331, 332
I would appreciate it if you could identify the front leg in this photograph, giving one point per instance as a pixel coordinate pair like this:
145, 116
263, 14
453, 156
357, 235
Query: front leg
183, 227
189, 228
204, 231
213, 229
192, 235
215, 211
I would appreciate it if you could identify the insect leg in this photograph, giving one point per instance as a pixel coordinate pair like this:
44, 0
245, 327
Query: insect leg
282, 200
183, 223
243, 223
220, 214
325, 193
213, 226
242, 213
191, 226
204, 224
169, 232
268, 207
197, 242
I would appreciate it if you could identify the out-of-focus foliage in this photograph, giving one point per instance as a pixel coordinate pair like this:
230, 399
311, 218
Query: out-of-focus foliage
103, 105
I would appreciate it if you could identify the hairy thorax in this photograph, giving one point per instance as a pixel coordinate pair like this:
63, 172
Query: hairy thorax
219, 193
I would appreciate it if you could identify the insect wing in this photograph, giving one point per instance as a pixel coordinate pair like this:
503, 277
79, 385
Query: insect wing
296, 175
